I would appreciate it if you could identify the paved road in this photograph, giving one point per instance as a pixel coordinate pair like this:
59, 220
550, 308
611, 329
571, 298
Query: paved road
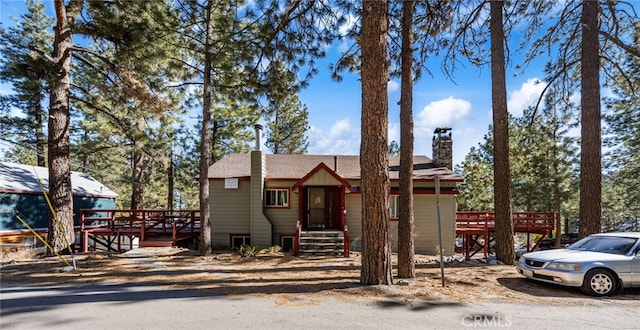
132, 306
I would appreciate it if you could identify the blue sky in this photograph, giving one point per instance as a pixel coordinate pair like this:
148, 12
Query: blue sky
334, 107
463, 105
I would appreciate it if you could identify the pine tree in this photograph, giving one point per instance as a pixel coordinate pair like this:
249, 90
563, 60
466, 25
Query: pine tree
224, 48
286, 116
26, 71
374, 161
501, 172
590, 124
406, 250
591, 35
543, 165
621, 181
121, 83
60, 231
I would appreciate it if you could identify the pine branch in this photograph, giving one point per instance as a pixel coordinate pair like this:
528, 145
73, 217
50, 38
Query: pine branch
559, 72
630, 50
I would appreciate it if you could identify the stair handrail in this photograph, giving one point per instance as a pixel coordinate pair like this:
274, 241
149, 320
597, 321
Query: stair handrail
296, 240
345, 233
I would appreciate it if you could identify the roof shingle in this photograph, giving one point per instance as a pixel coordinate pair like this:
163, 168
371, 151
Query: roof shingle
280, 166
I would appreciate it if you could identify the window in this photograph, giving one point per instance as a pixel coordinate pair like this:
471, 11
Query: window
393, 206
238, 240
286, 242
277, 198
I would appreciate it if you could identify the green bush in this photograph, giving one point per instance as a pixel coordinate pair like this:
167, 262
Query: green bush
273, 249
248, 250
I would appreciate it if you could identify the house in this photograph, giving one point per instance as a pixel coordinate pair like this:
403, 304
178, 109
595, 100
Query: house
267, 199
21, 195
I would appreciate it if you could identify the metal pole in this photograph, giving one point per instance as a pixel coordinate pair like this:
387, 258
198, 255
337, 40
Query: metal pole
439, 229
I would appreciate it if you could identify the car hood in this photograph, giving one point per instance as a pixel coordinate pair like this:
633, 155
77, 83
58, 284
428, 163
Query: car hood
566, 255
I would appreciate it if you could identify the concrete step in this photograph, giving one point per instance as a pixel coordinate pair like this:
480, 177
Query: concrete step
340, 243
322, 242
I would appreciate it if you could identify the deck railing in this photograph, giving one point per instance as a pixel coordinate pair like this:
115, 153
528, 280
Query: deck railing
480, 226
522, 221
140, 223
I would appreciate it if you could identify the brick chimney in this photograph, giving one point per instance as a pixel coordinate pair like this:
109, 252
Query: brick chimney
442, 147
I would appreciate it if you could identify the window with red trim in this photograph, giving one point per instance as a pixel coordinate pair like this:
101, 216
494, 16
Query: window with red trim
393, 207
276, 198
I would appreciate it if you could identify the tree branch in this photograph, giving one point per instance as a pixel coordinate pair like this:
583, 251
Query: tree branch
562, 70
630, 50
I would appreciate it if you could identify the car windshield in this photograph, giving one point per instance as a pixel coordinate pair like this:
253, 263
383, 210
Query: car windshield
605, 244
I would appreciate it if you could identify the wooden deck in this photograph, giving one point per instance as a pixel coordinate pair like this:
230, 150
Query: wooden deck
114, 230
477, 229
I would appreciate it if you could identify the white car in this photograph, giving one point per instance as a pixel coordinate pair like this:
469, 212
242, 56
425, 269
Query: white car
600, 264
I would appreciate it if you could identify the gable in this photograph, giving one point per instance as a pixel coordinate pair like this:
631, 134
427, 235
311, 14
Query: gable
322, 178
321, 175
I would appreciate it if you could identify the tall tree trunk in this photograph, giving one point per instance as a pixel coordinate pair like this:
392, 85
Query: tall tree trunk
406, 251
85, 155
37, 118
60, 190
170, 179
205, 145
374, 160
137, 190
556, 186
590, 148
502, 192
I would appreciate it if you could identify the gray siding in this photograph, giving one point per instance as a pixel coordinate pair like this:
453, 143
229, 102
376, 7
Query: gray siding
354, 224
260, 226
426, 223
283, 220
426, 226
230, 212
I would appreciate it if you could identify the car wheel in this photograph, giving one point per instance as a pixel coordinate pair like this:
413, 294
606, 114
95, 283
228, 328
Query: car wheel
599, 282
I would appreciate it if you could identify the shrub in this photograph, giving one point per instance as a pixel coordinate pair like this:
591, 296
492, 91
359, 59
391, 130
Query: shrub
272, 249
248, 250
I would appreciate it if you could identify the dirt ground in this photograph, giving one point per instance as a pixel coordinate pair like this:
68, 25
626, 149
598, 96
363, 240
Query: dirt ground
227, 273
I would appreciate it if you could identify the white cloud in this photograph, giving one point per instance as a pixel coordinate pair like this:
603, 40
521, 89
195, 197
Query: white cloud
443, 113
394, 132
344, 139
464, 139
341, 139
340, 128
525, 97
392, 86
448, 112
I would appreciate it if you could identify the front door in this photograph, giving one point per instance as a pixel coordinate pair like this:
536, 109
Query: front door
316, 207
323, 208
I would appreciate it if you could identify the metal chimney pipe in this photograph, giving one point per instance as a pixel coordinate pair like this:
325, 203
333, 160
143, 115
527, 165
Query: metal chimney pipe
335, 164
258, 128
